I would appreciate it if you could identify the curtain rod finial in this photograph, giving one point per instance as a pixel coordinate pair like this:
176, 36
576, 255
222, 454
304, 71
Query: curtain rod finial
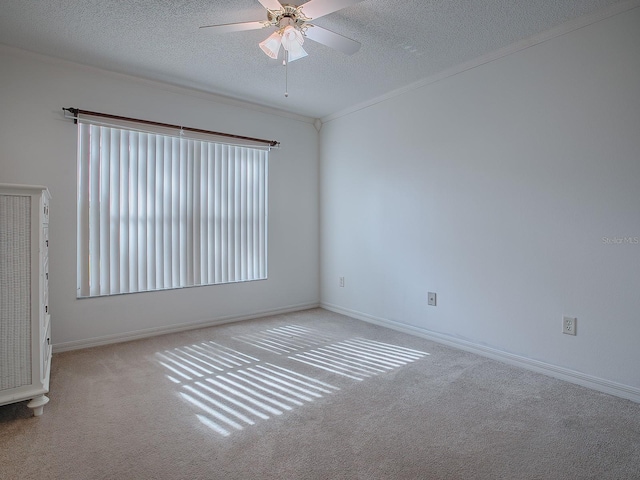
72, 111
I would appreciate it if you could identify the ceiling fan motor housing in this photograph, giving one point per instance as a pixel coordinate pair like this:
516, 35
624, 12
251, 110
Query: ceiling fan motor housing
289, 15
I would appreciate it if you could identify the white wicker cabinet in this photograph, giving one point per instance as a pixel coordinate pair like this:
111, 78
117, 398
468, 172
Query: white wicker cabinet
25, 319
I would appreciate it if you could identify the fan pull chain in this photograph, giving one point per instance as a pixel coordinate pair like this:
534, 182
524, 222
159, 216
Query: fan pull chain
286, 74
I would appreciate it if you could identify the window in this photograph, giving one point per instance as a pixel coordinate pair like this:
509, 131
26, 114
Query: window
159, 211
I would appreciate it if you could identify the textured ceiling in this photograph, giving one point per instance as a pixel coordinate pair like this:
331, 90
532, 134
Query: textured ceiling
403, 41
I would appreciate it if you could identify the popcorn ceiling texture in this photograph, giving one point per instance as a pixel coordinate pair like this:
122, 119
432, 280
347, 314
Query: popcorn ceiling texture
402, 43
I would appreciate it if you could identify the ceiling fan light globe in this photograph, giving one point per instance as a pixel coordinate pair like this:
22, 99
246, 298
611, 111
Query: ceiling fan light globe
271, 46
296, 52
291, 35
292, 41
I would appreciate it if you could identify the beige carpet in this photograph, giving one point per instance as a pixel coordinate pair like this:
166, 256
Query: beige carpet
312, 395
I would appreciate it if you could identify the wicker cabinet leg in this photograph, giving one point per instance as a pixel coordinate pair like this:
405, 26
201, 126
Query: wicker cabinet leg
37, 404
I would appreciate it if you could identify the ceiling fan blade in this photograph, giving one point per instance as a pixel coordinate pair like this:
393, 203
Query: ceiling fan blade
318, 8
235, 27
271, 4
331, 39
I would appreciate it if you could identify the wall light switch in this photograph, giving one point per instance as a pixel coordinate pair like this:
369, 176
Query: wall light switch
431, 299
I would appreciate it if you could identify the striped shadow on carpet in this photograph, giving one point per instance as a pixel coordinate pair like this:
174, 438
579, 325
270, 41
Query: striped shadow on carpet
233, 388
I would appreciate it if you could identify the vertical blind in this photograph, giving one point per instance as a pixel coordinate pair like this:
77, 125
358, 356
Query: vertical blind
158, 211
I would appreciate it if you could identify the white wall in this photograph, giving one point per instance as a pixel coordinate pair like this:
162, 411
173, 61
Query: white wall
495, 188
38, 146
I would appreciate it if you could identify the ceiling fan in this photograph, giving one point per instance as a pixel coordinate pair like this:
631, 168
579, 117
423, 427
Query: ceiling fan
293, 25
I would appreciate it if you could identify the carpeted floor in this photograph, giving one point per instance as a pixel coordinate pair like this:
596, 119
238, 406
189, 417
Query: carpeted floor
312, 395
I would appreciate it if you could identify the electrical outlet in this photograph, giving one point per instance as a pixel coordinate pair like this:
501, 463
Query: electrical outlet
569, 325
341, 281
431, 299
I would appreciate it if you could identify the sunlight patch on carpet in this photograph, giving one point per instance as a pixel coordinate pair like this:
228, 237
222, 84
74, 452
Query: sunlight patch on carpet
232, 390
283, 340
358, 358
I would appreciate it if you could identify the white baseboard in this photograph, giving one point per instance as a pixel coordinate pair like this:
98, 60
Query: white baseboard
152, 332
589, 381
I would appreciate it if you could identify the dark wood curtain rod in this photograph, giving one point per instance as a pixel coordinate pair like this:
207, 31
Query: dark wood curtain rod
75, 112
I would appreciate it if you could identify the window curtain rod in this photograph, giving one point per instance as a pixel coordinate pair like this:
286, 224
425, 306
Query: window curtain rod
76, 111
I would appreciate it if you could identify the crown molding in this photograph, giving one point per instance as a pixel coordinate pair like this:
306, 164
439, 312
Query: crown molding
193, 92
537, 39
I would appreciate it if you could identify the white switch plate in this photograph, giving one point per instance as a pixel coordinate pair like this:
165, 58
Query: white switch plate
341, 281
431, 299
